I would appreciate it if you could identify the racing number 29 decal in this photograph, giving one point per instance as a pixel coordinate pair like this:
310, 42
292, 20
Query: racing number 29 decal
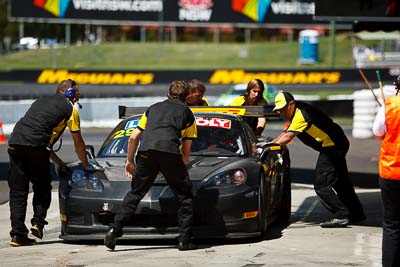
123, 133
208, 122
127, 131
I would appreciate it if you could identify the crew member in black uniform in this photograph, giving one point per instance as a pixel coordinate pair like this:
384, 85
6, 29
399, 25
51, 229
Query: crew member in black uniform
196, 94
161, 128
332, 183
30, 149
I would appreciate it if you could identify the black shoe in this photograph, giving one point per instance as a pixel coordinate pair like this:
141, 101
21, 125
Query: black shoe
37, 231
357, 219
335, 223
19, 241
111, 238
186, 246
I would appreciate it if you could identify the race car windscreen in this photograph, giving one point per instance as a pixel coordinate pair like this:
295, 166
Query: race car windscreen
216, 137
117, 143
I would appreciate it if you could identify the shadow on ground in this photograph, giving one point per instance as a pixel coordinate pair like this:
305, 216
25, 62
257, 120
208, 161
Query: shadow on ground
311, 210
360, 180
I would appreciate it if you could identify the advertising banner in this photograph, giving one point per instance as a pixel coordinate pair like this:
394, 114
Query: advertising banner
217, 76
167, 11
371, 10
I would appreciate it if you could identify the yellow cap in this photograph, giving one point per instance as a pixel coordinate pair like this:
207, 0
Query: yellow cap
282, 99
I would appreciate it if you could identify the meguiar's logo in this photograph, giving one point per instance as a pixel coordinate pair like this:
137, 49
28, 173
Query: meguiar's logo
275, 77
55, 7
56, 76
254, 9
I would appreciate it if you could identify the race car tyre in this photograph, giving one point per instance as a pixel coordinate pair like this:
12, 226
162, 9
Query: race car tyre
362, 133
363, 125
363, 118
357, 104
262, 206
365, 111
286, 204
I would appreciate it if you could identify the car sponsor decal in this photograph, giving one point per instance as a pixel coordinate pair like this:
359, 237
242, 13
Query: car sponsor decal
213, 122
123, 133
127, 131
131, 124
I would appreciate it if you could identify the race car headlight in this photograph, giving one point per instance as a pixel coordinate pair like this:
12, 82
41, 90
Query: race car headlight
86, 182
94, 183
227, 179
77, 179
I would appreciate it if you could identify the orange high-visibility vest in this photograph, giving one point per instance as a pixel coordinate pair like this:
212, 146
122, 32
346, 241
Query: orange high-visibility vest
389, 160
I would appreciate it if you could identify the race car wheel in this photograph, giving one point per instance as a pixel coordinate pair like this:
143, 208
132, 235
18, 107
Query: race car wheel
286, 205
263, 206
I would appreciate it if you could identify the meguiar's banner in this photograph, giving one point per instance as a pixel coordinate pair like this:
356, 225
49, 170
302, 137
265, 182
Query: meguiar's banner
217, 76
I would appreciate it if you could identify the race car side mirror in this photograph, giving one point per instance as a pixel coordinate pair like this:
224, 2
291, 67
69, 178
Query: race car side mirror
269, 149
90, 151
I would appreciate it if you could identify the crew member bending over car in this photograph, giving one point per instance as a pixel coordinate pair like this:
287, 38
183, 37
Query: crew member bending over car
160, 130
196, 94
253, 97
30, 150
332, 183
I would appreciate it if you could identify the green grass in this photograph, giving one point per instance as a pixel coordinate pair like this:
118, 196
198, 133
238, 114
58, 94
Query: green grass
166, 56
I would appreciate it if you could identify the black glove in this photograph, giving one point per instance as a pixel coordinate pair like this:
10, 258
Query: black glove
93, 168
62, 169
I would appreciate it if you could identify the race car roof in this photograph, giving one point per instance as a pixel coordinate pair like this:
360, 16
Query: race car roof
250, 111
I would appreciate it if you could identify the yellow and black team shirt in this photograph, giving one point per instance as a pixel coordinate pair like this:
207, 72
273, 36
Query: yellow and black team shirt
252, 121
73, 124
44, 122
317, 130
165, 124
204, 102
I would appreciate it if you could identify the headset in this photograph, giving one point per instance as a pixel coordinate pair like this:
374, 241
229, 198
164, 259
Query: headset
71, 92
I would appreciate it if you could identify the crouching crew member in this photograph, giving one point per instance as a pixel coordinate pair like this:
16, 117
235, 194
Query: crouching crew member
332, 183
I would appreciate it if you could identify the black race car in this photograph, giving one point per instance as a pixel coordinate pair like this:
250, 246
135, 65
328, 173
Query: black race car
240, 185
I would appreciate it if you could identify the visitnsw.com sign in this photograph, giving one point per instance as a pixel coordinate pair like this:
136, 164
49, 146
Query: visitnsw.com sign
172, 11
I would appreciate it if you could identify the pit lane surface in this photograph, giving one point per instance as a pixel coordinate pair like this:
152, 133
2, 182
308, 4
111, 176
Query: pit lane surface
301, 243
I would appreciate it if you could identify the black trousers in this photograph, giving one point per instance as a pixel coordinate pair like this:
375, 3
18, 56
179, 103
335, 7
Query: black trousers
334, 188
148, 164
27, 165
390, 191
